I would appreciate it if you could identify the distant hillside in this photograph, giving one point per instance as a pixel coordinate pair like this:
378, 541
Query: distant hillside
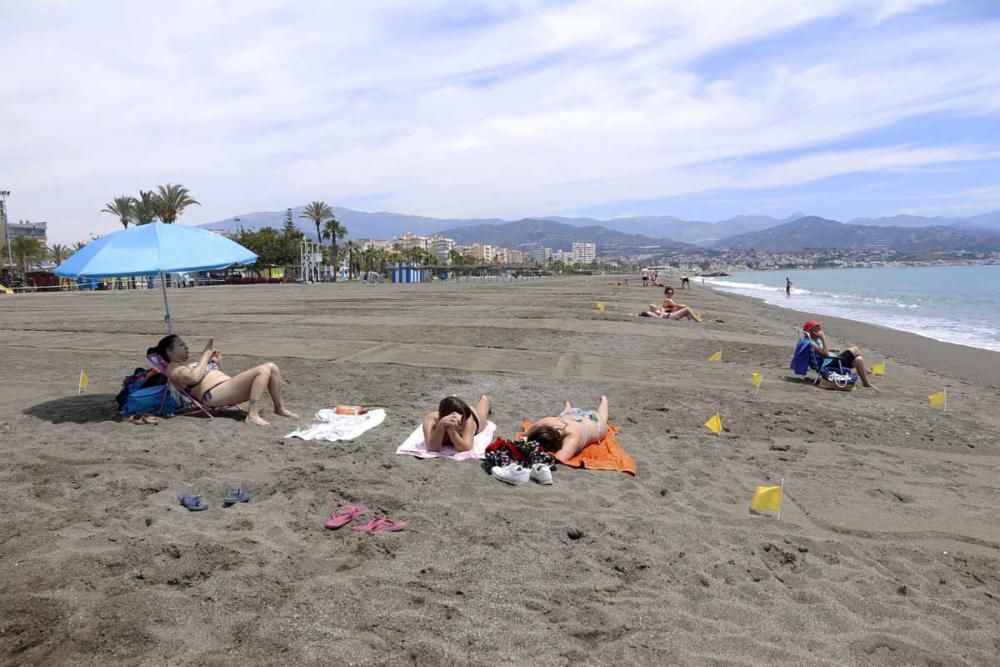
815, 233
560, 236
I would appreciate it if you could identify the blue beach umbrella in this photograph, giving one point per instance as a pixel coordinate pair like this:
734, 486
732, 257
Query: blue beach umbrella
155, 249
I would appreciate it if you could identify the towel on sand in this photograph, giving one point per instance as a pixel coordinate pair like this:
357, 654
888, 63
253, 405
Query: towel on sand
333, 427
604, 455
415, 445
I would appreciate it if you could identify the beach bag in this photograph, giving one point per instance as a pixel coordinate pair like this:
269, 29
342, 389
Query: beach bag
835, 376
155, 400
139, 379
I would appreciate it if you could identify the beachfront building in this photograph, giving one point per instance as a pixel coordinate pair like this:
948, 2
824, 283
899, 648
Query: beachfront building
441, 248
584, 253
379, 244
411, 240
481, 252
500, 256
28, 229
515, 256
535, 253
564, 256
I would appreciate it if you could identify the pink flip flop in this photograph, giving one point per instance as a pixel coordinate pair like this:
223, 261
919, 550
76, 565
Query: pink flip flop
380, 525
342, 516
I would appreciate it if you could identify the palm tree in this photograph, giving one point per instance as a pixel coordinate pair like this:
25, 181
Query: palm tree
171, 200
144, 207
123, 207
79, 245
59, 253
318, 212
334, 231
26, 251
352, 248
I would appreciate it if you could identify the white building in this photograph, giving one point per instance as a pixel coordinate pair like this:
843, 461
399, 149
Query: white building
564, 256
584, 253
441, 248
538, 255
411, 240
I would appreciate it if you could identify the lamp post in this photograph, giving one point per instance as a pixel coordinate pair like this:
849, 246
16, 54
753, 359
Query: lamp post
6, 231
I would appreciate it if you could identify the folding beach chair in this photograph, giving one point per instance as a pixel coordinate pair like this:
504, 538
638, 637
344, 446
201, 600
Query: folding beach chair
195, 406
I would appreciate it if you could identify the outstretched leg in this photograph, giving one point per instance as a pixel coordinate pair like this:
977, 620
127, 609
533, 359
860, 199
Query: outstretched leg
274, 387
859, 366
483, 410
567, 406
602, 414
247, 386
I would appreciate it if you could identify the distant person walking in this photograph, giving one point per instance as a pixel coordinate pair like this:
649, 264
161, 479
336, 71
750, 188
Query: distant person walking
788, 286
645, 277
685, 282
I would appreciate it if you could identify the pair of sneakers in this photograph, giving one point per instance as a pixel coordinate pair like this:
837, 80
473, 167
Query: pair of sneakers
517, 474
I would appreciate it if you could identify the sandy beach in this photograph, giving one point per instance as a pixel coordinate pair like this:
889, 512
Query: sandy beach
887, 551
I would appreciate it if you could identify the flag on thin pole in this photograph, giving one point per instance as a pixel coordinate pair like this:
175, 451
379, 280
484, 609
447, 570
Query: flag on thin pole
84, 381
716, 357
714, 424
768, 499
879, 369
600, 306
756, 379
939, 398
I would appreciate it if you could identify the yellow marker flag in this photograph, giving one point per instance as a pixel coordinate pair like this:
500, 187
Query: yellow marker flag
600, 306
938, 398
84, 381
767, 499
714, 424
6, 290
716, 357
756, 379
879, 368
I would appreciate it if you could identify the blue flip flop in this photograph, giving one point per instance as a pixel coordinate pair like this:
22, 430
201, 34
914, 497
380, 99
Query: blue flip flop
234, 496
192, 503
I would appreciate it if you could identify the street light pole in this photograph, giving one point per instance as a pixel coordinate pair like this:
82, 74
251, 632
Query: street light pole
6, 230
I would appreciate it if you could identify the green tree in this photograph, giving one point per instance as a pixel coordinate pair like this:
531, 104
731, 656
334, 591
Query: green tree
59, 253
271, 246
144, 207
171, 200
351, 247
123, 208
79, 245
334, 231
460, 258
288, 226
319, 212
26, 251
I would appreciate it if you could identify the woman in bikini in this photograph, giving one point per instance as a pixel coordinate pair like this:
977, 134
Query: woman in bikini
676, 311
455, 423
207, 382
566, 435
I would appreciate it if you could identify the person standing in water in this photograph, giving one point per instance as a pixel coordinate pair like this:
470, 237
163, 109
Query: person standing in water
788, 286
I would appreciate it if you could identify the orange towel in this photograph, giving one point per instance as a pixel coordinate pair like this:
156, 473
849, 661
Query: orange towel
604, 455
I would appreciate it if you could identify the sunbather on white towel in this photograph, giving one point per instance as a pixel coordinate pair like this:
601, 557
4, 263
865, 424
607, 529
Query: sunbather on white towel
455, 423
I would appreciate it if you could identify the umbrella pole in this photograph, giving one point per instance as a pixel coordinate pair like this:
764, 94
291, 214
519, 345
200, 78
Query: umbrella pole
166, 304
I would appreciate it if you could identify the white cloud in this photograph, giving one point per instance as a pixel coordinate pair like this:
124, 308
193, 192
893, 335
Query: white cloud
436, 109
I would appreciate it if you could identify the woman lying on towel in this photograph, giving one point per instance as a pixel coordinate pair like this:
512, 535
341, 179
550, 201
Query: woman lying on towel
455, 423
207, 382
566, 435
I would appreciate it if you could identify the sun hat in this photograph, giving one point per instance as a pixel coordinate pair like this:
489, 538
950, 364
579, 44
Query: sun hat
810, 325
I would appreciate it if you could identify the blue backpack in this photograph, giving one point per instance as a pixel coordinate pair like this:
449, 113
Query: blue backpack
150, 401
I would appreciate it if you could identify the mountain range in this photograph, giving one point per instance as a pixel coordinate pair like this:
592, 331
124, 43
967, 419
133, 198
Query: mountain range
662, 234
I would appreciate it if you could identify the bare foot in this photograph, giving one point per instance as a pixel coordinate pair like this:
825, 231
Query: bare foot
285, 412
258, 420
567, 406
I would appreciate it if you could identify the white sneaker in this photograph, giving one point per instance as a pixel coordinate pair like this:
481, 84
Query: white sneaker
541, 473
512, 474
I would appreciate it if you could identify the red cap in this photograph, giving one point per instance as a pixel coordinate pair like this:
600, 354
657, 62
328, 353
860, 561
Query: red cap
810, 325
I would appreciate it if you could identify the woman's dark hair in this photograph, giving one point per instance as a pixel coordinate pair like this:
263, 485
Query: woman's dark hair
454, 404
645, 313
161, 348
548, 438
668, 288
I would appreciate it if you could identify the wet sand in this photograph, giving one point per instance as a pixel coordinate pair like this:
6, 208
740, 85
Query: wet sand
887, 552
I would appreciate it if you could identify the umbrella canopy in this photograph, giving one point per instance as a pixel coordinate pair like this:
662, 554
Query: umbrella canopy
155, 249
148, 250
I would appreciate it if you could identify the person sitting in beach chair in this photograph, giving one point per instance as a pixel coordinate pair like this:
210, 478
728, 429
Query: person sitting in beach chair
677, 311
566, 435
205, 380
822, 355
455, 423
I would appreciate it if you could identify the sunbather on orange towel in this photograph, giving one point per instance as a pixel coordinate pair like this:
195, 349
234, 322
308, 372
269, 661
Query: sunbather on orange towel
208, 383
566, 435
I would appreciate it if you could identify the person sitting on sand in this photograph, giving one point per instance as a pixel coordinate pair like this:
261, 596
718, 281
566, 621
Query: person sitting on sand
850, 358
677, 311
566, 435
207, 382
455, 423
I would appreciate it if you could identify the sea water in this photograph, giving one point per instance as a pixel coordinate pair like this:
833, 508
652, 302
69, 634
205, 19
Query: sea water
957, 304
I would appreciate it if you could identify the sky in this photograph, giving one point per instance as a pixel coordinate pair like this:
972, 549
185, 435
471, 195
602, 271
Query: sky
505, 108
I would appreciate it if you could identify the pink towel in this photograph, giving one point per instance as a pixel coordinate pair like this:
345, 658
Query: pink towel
415, 446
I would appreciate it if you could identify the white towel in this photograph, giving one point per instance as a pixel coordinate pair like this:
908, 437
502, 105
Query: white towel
333, 427
415, 445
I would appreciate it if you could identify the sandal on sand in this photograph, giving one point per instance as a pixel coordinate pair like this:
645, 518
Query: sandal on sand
380, 525
234, 496
144, 419
342, 516
192, 503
